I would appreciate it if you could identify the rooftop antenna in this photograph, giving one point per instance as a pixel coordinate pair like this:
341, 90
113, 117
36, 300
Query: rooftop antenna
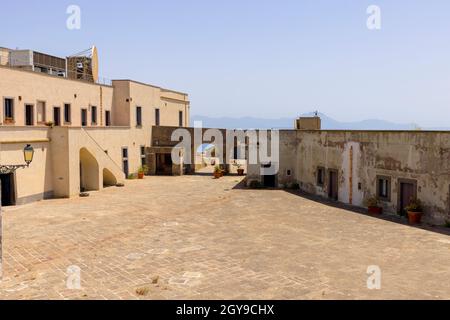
84, 65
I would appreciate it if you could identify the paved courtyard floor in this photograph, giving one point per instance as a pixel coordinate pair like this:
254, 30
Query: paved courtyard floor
194, 237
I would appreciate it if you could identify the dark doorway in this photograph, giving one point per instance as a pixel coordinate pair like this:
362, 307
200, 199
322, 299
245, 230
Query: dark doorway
108, 118
269, 181
29, 115
157, 117
333, 185
407, 192
164, 164
7, 184
125, 165
57, 116
83, 117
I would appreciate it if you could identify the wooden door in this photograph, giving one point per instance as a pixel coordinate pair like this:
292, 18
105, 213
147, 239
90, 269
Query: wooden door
407, 193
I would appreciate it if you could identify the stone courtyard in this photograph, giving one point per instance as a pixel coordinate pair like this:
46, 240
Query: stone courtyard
193, 237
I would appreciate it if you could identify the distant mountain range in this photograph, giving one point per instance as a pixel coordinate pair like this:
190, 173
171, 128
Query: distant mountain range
288, 123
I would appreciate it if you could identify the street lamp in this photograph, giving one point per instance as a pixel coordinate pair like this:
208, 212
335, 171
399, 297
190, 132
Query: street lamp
28, 153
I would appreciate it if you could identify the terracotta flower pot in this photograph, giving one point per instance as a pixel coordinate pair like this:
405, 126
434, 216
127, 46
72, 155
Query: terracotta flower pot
414, 217
217, 175
240, 172
140, 175
375, 210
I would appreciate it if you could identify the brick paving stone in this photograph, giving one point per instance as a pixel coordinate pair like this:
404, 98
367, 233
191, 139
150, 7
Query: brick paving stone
203, 242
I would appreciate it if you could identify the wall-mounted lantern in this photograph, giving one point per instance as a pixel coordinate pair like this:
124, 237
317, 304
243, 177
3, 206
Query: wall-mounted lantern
28, 154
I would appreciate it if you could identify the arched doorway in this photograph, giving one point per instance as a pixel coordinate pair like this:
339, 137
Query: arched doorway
206, 159
109, 180
89, 172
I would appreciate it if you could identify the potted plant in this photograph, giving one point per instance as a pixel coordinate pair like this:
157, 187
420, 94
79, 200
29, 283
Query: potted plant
415, 211
240, 170
217, 172
142, 172
373, 207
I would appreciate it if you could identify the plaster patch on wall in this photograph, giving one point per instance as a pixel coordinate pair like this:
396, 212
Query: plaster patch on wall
357, 196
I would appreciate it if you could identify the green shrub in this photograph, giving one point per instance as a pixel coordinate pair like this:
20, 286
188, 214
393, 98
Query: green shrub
371, 202
143, 169
414, 206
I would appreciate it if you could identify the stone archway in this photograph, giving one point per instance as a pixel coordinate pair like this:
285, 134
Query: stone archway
89, 172
109, 180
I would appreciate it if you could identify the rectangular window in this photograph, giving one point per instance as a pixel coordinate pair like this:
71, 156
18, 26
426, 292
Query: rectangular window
84, 117
384, 188
143, 160
125, 161
108, 118
180, 118
139, 116
67, 113
94, 115
9, 109
57, 116
157, 119
29, 115
320, 176
40, 111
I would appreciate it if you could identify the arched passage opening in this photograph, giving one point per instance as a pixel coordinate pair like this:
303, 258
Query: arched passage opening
89, 171
109, 180
206, 159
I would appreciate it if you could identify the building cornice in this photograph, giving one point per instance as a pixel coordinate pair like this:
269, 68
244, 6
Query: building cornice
40, 74
151, 85
187, 102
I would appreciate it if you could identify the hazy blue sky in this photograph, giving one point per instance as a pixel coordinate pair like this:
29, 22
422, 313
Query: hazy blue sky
261, 58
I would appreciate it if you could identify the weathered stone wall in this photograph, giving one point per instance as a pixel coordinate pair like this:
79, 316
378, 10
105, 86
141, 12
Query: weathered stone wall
361, 156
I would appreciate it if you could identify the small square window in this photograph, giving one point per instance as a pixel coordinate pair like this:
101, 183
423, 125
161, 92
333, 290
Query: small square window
384, 188
320, 176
